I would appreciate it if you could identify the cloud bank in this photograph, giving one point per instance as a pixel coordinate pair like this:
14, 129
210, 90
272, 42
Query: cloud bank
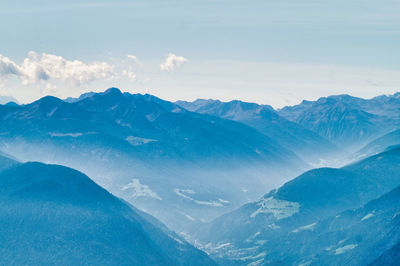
43, 67
172, 62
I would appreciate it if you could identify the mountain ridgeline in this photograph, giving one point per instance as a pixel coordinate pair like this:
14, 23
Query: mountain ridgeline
310, 146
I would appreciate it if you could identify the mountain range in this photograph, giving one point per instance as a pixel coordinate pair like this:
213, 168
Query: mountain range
181, 166
317, 183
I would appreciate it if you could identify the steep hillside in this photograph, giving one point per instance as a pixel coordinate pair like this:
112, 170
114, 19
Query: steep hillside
53, 215
257, 231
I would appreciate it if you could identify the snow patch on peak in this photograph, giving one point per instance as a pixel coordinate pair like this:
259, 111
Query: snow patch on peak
252, 237
187, 216
280, 209
51, 113
137, 141
395, 215
224, 201
184, 193
306, 263
74, 135
344, 249
273, 226
176, 110
152, 117
176, 239
223, 245
306, 227
140, 190
366, 217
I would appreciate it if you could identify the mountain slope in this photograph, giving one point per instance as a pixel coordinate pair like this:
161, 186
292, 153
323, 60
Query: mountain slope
390, 257
55, 215
307, 144
380, 144
299, 205
354, 237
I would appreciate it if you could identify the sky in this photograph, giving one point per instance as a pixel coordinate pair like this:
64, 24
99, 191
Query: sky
269, 52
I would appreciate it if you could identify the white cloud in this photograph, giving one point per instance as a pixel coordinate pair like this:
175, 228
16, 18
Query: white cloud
129, 74
172, 62
8, 67
135, 59
42, 67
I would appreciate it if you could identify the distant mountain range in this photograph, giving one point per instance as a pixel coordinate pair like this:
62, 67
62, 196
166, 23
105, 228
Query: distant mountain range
7, 100
53, 215
380, 144
324, 211
307, 144
347, 121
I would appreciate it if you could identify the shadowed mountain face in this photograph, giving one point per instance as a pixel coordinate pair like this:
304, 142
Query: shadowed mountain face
169, 131
272, 230
181, 166
53, 215
347, 121
389, 257
355, 237
306, 143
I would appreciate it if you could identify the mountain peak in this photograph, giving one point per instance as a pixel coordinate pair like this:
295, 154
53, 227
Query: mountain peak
112, 91
48, 101
205, 101
7, 99
396, 95
81, 97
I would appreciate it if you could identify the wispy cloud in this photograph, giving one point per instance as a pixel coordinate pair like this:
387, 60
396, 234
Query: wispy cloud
135, 59
172, 62
129, 74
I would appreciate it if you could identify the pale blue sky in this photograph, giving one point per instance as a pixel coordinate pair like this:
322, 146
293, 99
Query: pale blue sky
275, 52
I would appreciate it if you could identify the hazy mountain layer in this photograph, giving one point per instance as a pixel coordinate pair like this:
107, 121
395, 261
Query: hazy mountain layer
180, 166
267, 230
347, 121
53, 215
380, 144
306, 143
